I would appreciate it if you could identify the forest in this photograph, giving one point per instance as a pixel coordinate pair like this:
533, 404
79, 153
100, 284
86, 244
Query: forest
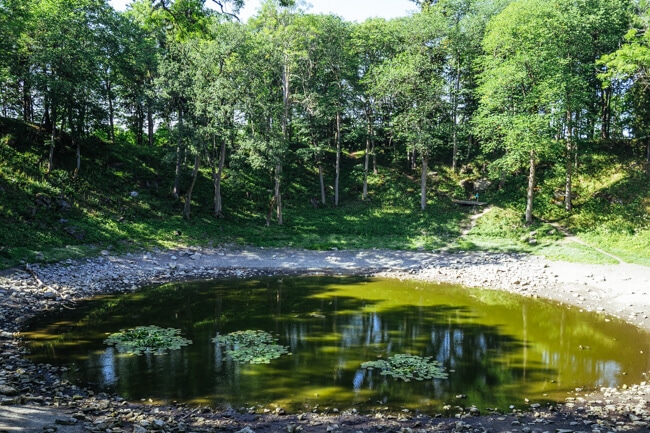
543, 105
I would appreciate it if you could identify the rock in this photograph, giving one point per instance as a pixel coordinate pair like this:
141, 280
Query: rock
134, 194
482, 184
8, 390
245, 430
139, 429
65, 421
8, 401
50, 294
63, 205
75, 232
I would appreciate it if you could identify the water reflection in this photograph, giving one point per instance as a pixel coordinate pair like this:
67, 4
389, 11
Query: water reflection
498, 348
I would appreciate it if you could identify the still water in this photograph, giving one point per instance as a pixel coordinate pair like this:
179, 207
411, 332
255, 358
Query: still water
498, 349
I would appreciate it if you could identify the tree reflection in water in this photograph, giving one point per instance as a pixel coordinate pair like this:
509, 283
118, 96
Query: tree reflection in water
497, 348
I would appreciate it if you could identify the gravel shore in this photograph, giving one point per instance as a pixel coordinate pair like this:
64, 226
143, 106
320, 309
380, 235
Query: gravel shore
35, 398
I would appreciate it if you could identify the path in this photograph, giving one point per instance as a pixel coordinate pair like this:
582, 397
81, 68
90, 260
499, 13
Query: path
568, 236
471, 223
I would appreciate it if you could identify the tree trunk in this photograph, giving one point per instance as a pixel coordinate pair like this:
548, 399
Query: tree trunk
568, 190
366, 164
370, 150
286, 101
373, 147
277, 196
606, 98
47, 121
188, 196
217, 174
338, 158
150, 124
531, 189
28, 106
50, 160
111, 113
321, 178
140, 124
454, 133
179, 147
423, 180
76, 141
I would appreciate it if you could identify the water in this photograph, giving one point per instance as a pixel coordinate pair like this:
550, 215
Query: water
499, 349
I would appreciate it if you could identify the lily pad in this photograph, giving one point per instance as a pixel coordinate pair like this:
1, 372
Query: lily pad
147, 339
407, 367
254, 347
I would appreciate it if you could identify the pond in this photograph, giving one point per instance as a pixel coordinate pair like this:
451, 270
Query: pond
497, 349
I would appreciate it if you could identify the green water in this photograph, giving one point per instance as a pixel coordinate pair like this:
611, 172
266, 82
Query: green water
499, 349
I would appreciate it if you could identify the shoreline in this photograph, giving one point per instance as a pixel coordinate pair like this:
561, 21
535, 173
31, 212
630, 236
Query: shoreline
621, 291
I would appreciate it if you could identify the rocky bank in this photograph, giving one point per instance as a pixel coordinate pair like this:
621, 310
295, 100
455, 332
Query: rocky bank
36, 398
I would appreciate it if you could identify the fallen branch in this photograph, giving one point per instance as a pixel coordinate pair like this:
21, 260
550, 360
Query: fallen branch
33, 274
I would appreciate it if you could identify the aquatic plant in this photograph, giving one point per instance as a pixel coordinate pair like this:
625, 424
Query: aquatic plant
254, 347
407, 367
147, 339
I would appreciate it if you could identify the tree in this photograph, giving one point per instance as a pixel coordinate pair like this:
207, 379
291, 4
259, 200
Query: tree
270, 98
65, 61
337, 73
630, 66
217, 89
372, 42
414, 79
15, 78
516, 95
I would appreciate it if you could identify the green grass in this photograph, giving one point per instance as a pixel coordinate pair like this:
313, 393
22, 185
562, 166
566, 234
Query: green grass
575, 252
56, 217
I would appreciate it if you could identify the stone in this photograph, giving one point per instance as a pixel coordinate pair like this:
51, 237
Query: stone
139, 429
65, 421
8, 401
8, 390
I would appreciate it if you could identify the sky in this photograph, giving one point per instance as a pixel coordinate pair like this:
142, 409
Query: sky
350, 10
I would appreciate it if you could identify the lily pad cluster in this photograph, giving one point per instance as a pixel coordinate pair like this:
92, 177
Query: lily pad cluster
147, 339
254, 347
407, 367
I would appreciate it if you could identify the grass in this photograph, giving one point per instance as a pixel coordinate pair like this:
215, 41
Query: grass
49, 218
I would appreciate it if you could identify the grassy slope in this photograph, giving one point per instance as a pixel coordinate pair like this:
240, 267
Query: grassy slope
50, 218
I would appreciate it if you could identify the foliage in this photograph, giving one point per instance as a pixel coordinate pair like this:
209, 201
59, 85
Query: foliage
330, 122
254, 347
407, 367
147, 339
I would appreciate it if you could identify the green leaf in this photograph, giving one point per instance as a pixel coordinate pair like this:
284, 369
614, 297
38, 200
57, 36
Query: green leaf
254, 347
407, 367
147, 339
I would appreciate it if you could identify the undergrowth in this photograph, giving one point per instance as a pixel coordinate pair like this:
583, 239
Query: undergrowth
121, 201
